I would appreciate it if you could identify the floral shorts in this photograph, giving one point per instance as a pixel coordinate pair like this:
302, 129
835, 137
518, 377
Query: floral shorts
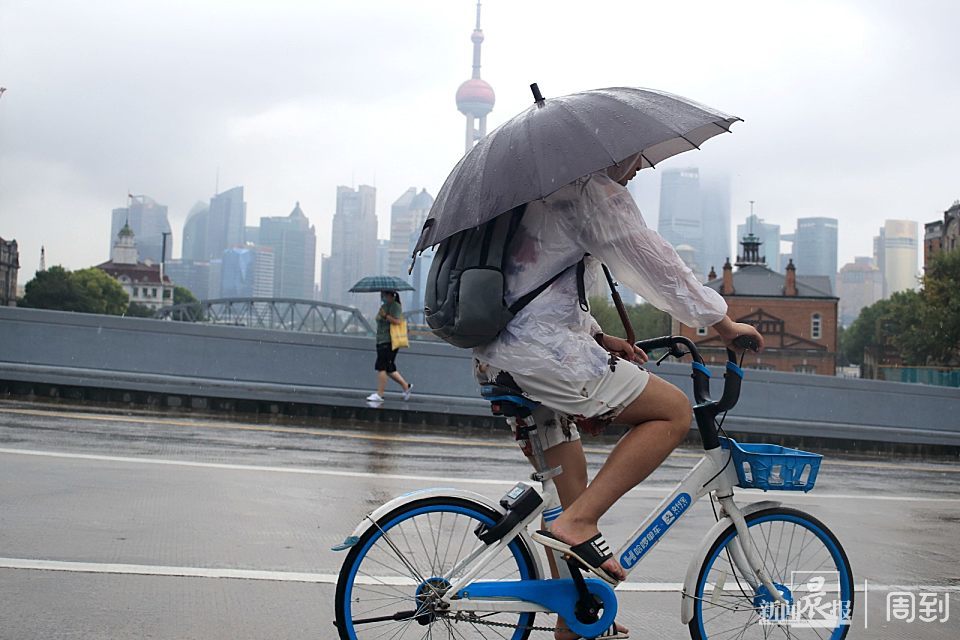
567, 408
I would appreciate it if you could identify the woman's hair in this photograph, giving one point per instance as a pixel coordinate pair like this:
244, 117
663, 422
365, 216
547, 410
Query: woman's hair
396, 296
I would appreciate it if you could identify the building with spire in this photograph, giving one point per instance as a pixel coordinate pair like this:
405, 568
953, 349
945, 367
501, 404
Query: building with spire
144, 282
796, 315
148, 221
475, 97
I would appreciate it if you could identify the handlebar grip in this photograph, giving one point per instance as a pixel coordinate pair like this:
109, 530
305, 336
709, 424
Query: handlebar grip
745, 342
663, 342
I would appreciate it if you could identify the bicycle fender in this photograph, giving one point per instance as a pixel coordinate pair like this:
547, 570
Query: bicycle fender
697, 559
420, 494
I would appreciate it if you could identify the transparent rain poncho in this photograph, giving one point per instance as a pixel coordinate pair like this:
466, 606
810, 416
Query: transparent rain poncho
553, 336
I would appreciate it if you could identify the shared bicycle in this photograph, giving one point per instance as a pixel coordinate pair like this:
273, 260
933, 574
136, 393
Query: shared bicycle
451, 563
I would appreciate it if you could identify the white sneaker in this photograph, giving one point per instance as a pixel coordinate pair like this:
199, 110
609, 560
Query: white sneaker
406, 394
374, 397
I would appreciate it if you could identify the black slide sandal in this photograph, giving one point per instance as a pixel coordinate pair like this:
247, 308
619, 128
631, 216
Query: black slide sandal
591, 554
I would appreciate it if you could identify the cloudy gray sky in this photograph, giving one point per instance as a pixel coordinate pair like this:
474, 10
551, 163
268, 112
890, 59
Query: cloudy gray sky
850, 108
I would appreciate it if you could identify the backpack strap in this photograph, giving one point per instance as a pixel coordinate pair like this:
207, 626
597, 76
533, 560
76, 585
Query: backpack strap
581, 289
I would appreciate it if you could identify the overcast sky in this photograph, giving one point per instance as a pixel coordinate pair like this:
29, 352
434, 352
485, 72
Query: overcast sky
850, 108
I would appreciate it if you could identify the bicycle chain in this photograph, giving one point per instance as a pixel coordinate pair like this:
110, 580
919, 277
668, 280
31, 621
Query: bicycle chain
491, 623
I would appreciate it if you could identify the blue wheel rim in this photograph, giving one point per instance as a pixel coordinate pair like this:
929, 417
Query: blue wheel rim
846, 586
514, 547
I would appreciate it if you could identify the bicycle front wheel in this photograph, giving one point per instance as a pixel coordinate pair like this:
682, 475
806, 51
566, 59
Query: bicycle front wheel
394, 573
807, 566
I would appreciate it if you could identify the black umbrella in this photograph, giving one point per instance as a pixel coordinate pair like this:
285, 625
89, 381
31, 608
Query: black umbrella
556, 141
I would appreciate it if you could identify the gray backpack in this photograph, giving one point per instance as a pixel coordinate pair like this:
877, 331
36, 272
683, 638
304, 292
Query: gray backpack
463, 301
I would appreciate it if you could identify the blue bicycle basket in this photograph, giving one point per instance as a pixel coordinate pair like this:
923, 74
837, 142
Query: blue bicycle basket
770, 466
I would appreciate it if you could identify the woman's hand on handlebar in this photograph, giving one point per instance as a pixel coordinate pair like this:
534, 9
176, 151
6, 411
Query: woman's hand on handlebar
730, 331
624, 349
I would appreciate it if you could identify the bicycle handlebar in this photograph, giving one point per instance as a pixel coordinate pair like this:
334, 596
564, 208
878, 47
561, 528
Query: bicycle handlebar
706, 409
701, 375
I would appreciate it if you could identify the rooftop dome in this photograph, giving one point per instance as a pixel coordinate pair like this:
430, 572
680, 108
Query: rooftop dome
475, 97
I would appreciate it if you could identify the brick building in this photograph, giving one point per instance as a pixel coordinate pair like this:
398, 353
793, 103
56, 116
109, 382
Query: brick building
796, 315
942, 235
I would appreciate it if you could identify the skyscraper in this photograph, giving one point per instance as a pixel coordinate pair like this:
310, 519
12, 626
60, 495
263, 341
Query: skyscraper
353, 246
406, 219
769, 235
247, 272
896, 254
815, 248
715, 216
294, 245
475, 97
148, 221
225, 222
681, 213
194, 248
859, 284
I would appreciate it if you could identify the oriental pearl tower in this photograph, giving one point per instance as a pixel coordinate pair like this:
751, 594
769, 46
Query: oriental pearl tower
475, 96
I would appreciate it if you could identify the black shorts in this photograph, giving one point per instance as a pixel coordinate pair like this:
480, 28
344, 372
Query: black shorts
386, 358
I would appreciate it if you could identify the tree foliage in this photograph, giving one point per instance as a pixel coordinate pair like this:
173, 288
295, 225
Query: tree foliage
85, 291
138, 310
647, 320
182, 295
922, 326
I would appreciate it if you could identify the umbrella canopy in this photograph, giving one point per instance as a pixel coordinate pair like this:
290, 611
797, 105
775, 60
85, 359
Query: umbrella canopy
558, 140
380, 283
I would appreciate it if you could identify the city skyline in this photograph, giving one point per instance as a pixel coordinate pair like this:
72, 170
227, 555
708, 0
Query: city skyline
801, 92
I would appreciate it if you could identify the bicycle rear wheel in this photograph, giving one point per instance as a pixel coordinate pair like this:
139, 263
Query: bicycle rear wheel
806, 564
394, 572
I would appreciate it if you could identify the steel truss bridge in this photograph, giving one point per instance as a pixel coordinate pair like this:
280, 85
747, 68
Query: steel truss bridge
279, 314
287, 314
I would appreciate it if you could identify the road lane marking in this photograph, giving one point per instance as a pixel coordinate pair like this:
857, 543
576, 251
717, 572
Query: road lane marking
658, 490
430, 439
31, 564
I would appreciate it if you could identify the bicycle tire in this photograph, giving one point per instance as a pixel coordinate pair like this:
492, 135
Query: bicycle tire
784, 515
522, 555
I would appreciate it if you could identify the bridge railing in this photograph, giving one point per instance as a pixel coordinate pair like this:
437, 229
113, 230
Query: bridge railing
285, 314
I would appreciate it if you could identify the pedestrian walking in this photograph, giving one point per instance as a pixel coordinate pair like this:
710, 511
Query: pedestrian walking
389, 342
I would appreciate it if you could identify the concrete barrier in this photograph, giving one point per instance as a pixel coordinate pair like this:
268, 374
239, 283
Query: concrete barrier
218, 362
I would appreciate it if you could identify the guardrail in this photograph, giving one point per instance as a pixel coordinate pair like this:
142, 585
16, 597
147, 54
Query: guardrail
207, 361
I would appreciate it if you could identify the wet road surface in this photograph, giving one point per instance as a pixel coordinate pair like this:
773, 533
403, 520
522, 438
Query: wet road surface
143, 525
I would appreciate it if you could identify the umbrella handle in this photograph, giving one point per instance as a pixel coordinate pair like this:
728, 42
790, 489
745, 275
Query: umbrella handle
618, 303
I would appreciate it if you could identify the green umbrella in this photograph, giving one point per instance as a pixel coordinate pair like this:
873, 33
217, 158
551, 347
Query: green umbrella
380, 283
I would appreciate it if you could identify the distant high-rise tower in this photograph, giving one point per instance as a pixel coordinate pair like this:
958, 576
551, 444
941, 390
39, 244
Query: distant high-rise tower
148, 221
896, 252
475, 97
353, 247
294, 245
681, 214
815, 248
226, 221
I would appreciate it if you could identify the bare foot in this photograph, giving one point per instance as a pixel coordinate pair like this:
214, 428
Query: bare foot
575, 531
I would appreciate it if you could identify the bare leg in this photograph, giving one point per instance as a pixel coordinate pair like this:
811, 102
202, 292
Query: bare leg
381, 382
570, 484
661, 418
396, 377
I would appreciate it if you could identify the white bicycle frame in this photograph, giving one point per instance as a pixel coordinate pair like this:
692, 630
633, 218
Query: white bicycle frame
714, 473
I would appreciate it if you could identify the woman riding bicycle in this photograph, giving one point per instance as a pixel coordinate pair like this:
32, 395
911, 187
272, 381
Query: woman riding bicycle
554, 351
